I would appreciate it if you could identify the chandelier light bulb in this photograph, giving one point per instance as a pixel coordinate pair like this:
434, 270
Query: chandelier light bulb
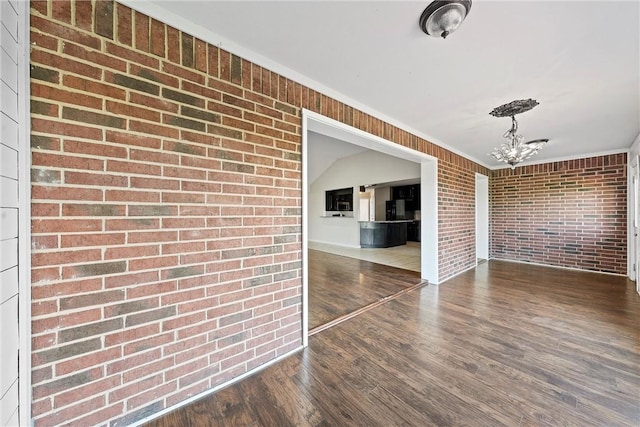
514, 150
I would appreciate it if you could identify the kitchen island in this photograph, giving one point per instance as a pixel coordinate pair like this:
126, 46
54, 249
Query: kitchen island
383, 234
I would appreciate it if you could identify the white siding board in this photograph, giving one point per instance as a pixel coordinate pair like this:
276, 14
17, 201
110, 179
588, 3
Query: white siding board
9, 71
10, 18
9, 101
8, 41
8, 223
9, 406
8, 162
15, 384
9, 353
9, 131
8, 192
9, 283
8, 257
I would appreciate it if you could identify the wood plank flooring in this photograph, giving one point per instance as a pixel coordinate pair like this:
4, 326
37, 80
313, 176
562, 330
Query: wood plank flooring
339, 285
503, 344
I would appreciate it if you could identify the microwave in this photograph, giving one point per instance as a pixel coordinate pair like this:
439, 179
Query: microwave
343, 206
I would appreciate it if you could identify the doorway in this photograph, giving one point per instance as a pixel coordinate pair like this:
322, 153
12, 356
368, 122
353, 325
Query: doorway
314, 122
482, 218
634, 222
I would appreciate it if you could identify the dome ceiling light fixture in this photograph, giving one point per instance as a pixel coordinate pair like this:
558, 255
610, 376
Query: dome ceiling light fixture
514, 150
443, 17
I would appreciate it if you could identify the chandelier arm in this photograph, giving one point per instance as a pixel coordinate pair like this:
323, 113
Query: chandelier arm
515, 150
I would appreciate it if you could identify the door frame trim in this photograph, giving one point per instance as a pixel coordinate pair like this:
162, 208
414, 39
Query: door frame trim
24, 220
318, 123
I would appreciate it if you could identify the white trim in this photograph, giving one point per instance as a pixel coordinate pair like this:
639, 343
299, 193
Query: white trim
157, 12
318, 123
632, 215
214, 389
205, 34
305, 234
24, 205
484, 221
429, 235
429, 189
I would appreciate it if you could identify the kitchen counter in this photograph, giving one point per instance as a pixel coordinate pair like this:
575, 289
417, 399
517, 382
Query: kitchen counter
383, 234
386, 222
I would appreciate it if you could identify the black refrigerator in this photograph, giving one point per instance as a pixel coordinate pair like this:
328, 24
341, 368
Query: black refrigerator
395, 210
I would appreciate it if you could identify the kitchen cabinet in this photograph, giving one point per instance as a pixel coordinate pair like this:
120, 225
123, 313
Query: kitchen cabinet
383, 234
413, 231
409, 193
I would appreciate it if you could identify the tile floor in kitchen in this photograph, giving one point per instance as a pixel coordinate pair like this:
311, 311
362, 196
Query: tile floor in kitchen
406, 256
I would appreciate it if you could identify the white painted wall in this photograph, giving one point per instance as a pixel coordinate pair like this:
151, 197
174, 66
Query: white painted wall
369, 167
9, 149
633, 213
482, 216
15, 383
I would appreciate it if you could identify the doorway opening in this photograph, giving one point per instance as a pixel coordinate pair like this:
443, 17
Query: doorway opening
318, 124
482, 218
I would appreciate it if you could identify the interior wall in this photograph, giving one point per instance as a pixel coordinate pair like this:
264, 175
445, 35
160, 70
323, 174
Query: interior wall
456, 218
166, 207
14, 386
368, 167
567, 214
482, 216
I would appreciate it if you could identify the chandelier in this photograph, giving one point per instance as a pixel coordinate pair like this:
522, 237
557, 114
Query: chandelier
514, 150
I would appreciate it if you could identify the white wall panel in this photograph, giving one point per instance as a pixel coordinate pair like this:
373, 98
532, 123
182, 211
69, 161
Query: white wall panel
8, 192
8, 223
15, 333
8, 42
9, 353
9, 406
10, 18
8, 162
8, 132
9, 71
9, 282
8, 256
9, 101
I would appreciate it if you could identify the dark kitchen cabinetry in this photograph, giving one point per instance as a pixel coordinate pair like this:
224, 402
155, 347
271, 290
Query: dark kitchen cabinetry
413, 231
383, 234
409, 193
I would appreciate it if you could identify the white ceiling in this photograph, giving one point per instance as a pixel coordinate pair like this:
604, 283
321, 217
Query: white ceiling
579, 59
324, 151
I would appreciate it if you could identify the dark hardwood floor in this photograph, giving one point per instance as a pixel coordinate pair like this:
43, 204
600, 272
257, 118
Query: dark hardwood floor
340, 285
503, 344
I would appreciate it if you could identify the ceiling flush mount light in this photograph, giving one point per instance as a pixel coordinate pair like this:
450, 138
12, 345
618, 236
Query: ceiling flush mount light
442, 18
514, 150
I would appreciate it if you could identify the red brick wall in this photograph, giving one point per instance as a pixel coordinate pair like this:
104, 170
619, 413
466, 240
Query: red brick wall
456, 217
568, 214
166, 212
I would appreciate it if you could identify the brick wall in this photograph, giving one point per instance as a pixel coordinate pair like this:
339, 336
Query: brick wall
166, 208
568, 214
456, 217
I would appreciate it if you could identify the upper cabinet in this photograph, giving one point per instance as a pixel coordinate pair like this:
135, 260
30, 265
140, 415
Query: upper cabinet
409, 193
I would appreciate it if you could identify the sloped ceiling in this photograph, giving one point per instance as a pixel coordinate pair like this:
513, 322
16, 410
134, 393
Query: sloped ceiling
324, 151
579, 59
